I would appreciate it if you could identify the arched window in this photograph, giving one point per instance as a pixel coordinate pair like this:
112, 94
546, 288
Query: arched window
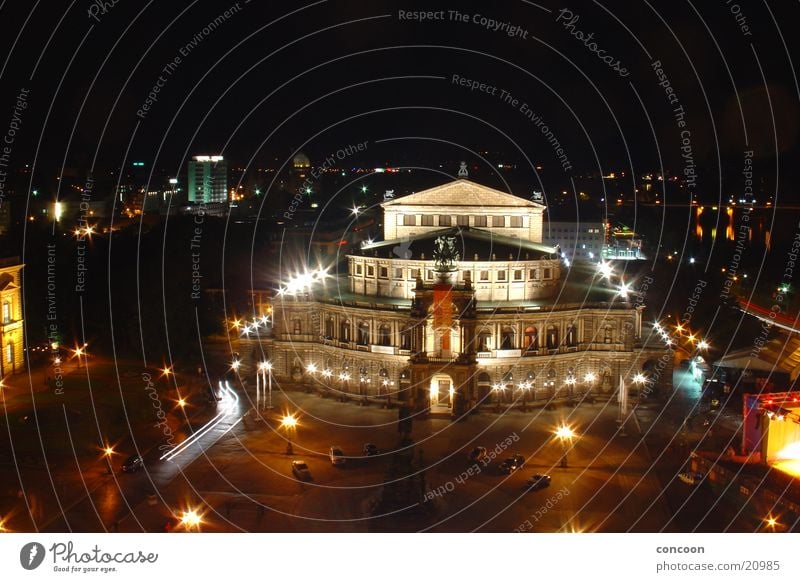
531, 377
552, 337
484, 340
531, 338
297, 326
363, 333
405, 338
6, 311
608, 334
572, 335
329, 328
384, 335
507, 339
344, 331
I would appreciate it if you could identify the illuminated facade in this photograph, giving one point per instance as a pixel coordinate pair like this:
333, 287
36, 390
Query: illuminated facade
207, 180
498, 325
12, 338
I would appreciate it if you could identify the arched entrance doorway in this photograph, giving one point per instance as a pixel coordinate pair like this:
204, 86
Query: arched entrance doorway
441, 393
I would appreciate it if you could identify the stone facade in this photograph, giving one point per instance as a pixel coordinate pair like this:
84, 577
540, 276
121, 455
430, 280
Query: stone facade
489, 332
12, 339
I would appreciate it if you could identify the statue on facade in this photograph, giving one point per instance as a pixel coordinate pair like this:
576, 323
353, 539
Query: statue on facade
445, 255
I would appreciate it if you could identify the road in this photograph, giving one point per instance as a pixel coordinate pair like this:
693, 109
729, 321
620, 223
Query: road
237, 473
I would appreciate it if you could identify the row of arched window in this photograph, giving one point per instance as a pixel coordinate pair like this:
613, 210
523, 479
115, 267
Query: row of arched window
532, 339
362, 334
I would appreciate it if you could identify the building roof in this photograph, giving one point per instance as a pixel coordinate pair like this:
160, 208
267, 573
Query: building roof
780, 354
462, 193
469, 242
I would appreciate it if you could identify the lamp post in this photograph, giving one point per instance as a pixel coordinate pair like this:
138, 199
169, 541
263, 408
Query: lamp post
565, 434
289, 423
311, 368
264, 376
107, 452
497, 389
80, 351
191, 520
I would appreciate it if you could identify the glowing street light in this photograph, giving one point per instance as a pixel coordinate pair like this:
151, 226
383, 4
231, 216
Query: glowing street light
624, 290
289, 423
605, 270
703, 345
78, 352
565, 434
191, 519
590, 377
264, 371
639, 378
311, 368
108, 451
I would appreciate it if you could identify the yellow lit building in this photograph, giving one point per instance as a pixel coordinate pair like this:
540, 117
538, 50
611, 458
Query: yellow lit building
11, 329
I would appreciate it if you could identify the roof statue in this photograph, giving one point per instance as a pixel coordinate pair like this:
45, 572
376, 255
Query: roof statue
445, 255
462, 171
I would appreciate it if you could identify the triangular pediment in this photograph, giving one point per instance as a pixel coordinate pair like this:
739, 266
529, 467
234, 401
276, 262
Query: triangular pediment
461, 193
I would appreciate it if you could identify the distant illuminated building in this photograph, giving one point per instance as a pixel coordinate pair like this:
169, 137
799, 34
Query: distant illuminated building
460, 303
578, 240
207, 180
12, 339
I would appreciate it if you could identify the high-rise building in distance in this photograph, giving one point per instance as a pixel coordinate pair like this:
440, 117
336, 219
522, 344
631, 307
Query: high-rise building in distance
208, 180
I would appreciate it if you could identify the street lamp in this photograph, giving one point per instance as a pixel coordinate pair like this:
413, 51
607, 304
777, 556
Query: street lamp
497, 389
264, 371
191, 519
107, 453
80, 351
289, 423
565, 434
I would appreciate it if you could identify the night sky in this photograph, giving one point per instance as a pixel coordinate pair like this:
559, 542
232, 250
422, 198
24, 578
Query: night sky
269, 78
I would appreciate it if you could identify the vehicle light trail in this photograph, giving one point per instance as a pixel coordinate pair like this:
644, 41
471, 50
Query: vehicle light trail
230, 408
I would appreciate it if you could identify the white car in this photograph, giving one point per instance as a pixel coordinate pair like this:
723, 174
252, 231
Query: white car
337, 456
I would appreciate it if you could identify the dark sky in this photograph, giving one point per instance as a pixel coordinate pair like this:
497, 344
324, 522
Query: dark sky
274, 77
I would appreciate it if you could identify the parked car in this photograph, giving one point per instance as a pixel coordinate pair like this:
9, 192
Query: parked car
477, 454
300, 470
538, 482
132, 464
337, 456
511, 464
690, 478
370, 450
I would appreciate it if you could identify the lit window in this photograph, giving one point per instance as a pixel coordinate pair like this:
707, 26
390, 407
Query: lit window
480, 221
501, 275
409, 220
516, 222
498, 221
427, 220
518, 275
484, 275
444, 220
